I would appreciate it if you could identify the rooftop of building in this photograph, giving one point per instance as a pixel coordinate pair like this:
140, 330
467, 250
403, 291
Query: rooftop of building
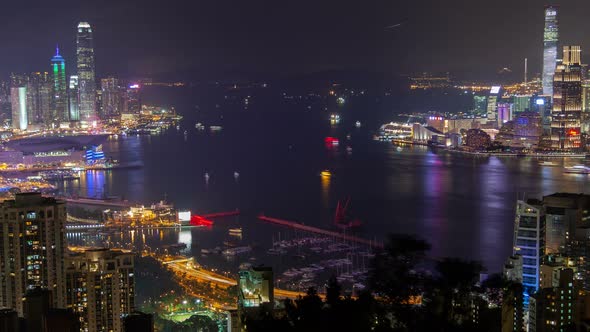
31, 199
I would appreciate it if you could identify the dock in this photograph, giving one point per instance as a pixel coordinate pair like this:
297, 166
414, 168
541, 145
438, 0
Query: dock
311, 229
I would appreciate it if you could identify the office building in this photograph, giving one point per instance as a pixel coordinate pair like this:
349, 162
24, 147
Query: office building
504, 113
491, 109
86, 75
479, 104
32, 249
74, 99
521, 103
100, 287
550, 39
111, 97
566, 114
59, 96
133, 99
18, 99
39, 92
529, 242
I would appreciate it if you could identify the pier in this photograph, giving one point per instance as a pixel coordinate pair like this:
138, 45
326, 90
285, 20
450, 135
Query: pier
221, 214
311, 229
97, 202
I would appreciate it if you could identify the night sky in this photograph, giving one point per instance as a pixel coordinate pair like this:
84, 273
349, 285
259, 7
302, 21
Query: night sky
468, 38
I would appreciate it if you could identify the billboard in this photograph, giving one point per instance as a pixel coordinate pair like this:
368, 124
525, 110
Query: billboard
184, 216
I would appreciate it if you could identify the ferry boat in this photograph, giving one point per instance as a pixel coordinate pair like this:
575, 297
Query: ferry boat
326, 173
577, 169
548, 163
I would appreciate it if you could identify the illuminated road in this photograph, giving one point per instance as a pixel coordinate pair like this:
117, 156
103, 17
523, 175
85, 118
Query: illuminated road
191, 271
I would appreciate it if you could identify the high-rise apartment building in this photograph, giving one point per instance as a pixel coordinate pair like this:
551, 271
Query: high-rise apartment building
566, 114
18, 100
32, 249
492, 106
59, 100
553, 309
86, 75
100, 287
550, 39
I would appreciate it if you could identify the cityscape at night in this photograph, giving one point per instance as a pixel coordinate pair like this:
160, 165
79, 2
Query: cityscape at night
306, 166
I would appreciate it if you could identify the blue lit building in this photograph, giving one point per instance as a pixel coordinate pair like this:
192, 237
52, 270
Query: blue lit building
59, 100
529, 242
95, 155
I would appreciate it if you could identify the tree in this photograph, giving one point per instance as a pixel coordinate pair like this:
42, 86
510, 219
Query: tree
393, 276
333, 290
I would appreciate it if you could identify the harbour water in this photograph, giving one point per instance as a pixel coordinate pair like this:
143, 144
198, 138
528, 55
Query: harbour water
463, 205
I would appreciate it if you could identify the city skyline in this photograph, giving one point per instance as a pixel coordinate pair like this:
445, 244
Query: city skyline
184, 40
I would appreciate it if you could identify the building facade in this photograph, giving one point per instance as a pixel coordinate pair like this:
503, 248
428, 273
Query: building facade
32, 249
566, 114
100, 287
59, 97
86, 74
550, 39
111, 97
74, 99
529, 243
18, 100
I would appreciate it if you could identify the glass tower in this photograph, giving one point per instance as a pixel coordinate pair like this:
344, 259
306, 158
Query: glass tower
86, 79
550, 38
529, 242
74, 99
59, 96
566, 114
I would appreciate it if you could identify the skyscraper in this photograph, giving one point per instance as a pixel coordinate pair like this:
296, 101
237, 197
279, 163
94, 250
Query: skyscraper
529, 242
566, 114
18, 99
74, 99
550, 38
100, 287
39, 91
86, 77
32, 249
111, 96
59, 97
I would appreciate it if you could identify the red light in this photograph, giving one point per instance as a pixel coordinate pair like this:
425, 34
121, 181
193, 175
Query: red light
573, 132
330, 141
200, 221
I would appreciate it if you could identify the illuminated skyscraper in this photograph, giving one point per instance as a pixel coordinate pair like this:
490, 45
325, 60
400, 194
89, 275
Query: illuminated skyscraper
39, 100
74, 99
566, 114
529, 242
111, 95
133, 100
550, 38
86, 78
59, 97
32, 249
18, 99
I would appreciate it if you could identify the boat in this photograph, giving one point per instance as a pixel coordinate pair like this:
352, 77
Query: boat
235, 231
577, 169
357, 124
185, 132
236, 251
215, 128
342, 218
331, 141
236, 175
177, 127
349, 149
199, 126
326, 173
547, 163
207, 177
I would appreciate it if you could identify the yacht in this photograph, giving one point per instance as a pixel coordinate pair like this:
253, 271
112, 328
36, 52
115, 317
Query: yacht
577, 169
357, 124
